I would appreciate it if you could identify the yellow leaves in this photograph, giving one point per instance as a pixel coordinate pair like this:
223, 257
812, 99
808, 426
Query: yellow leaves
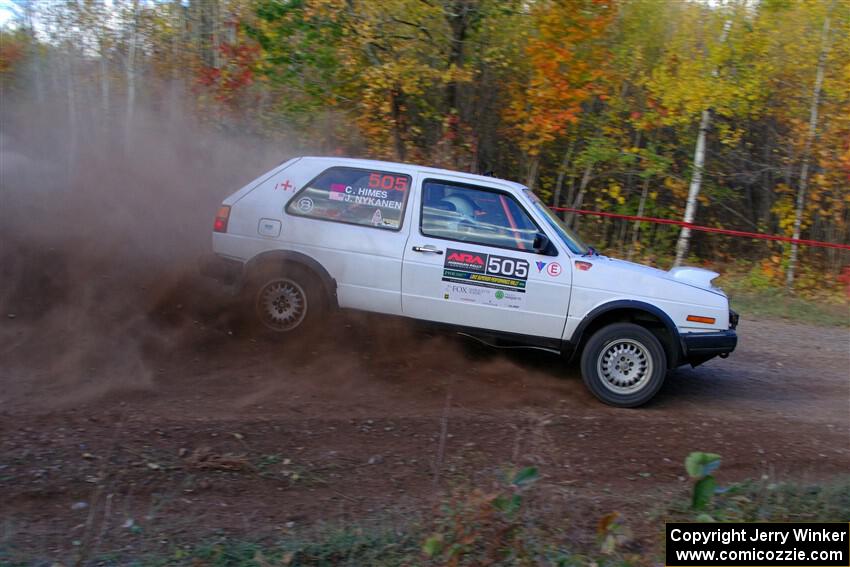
784, 210
615, 192
457, 75
394, 53
677, 187
324, 8
728, 134
705, 68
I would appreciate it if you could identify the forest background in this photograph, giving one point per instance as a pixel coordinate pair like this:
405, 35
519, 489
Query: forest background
730, 114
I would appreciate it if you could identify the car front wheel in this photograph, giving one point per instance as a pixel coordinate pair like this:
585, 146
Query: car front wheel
623, 365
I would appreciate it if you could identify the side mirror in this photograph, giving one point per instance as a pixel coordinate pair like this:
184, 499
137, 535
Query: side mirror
541, 243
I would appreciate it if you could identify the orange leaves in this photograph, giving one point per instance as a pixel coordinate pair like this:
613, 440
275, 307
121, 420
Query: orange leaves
565, 68
12, 50
234, 74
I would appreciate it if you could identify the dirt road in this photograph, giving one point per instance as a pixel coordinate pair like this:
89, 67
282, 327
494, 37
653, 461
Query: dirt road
193, 428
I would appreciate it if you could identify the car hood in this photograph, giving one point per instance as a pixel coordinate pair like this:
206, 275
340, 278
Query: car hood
695, 277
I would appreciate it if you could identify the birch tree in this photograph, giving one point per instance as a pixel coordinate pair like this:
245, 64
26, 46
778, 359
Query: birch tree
130, 69
807, 150
684, 241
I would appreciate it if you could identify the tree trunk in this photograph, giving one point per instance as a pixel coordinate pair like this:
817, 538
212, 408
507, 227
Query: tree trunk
585, 181
624, 226
131, 77
684, 242
457, 15
533, 166
768, 181
807, 152
641, 206
571, 193
204, 21
104, 83
35, 59
73, 122
177, 40
562, 171
397, 127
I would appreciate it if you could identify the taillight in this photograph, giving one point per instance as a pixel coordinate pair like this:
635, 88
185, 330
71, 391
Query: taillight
221, 217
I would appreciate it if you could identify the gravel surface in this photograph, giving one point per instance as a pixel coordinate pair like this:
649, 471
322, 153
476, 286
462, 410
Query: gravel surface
129, 426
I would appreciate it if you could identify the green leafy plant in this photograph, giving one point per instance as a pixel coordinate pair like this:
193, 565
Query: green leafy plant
700, 466
509, 504
482, 525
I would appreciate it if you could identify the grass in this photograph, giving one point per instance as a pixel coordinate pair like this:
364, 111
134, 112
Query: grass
757, 289
474, 530
332, 546
532, 543
337, 546
766, 501
499, 526
357, 547
774, 303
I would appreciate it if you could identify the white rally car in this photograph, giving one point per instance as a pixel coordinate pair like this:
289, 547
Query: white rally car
482, 255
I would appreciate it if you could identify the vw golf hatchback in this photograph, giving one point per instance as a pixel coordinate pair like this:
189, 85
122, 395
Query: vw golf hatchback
482, 255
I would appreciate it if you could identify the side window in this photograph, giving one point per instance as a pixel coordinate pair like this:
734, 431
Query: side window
476, 215
354, 196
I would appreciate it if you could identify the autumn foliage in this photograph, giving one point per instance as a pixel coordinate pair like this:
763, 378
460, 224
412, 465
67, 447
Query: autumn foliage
592, 103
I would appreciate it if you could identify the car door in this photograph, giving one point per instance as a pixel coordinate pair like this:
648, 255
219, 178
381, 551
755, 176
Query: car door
470, 261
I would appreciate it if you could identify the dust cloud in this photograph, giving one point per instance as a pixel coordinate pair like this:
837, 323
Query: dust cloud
102, 227
100, 222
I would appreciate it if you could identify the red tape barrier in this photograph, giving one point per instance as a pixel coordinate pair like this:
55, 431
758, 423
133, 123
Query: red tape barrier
728, 232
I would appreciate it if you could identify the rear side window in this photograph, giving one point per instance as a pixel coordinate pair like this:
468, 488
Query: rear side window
354, 196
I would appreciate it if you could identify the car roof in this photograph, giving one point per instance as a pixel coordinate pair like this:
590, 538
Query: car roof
413, 168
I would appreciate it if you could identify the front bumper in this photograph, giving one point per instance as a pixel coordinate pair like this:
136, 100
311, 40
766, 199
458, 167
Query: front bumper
700, 347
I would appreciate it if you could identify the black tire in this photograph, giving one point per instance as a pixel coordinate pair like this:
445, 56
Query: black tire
624, 365
286, 299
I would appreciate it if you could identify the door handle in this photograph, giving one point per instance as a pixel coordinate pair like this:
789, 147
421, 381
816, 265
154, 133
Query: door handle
428, 248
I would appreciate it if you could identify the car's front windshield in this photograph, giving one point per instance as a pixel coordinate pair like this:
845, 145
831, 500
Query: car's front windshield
569, 238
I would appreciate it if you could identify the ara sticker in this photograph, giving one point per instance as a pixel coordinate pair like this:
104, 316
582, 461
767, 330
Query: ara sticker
377, 218
485, 270
466, 261
540, 266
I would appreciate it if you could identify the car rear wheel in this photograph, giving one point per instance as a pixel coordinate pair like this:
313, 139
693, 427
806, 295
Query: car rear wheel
287, 299
624, 365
